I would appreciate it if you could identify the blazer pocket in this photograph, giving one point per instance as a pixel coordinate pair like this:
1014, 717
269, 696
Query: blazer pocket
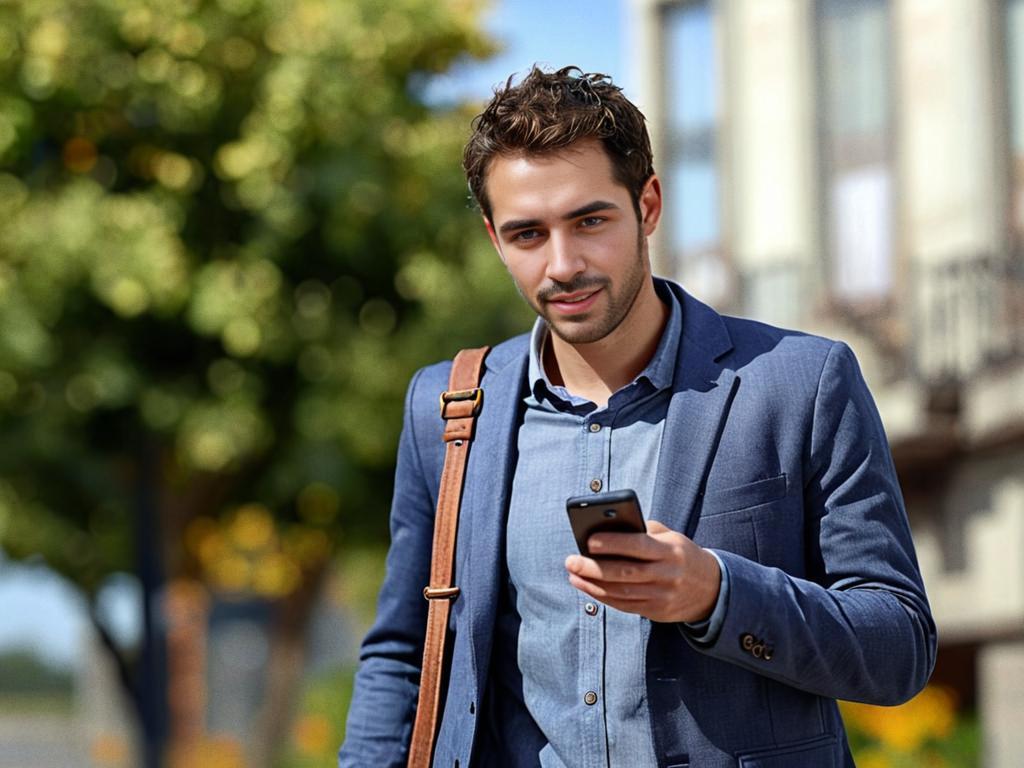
744, 496
819, 753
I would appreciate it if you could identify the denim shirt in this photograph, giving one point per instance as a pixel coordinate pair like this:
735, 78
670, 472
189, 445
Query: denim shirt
582, 663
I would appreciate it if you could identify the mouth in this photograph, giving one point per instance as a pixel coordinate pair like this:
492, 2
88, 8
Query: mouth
573, 303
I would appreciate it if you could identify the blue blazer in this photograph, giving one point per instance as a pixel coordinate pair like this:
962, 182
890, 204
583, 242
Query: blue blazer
774, 456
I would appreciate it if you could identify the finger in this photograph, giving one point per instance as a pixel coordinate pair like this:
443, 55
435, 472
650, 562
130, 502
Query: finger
610, 570
656, 526
639, 546
614, 594
579, 564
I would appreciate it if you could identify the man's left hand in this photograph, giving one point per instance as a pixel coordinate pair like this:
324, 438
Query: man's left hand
666, 578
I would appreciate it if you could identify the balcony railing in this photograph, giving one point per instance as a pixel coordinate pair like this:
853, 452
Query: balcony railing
946, 323
966, 315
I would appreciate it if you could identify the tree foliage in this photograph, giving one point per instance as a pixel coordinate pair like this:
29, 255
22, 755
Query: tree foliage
228, 232
26, 673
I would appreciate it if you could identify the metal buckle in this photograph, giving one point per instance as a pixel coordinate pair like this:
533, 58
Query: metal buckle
476, 395
440, 593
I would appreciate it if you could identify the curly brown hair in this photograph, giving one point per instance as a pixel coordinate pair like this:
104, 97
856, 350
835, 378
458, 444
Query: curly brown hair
549, 111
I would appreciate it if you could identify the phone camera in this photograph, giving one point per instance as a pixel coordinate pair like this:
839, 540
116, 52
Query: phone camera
609, 513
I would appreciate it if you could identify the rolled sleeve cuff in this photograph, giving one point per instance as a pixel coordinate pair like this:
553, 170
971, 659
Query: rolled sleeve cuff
706, 632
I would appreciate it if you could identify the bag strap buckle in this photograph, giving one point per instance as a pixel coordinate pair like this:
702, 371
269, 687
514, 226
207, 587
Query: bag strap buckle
476, 395
440, 593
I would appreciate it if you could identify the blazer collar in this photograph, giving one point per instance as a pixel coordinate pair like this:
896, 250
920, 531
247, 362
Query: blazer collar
705, 335
704, 332
702, 392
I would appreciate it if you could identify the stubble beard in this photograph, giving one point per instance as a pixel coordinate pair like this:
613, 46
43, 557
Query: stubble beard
586, 329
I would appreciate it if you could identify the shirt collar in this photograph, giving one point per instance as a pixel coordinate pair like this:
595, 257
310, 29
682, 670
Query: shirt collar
659, 372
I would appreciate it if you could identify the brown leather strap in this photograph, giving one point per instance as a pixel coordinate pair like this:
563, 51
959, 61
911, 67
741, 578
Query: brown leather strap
460, 405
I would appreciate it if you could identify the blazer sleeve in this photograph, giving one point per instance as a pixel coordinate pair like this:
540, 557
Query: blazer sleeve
382, 710
858, 627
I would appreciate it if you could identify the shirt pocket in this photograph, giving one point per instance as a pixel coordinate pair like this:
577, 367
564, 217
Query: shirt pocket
724, 500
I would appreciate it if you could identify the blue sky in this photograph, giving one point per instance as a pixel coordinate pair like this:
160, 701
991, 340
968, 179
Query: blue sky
37, 609
553, 33
42, 612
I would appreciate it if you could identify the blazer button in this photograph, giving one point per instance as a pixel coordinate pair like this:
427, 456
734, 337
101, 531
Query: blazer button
756, 647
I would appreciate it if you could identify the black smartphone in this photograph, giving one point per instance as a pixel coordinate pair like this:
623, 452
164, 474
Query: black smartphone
617, 511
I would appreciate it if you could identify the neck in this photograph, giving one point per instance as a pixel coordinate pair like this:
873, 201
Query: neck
598, 369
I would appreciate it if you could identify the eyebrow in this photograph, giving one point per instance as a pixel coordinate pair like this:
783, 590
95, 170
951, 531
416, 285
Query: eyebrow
583, 210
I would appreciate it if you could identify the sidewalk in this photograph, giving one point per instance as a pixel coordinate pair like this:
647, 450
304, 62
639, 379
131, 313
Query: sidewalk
41, 741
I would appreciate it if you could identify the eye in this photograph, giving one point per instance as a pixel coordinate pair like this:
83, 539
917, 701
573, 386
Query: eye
592, 221
526, 236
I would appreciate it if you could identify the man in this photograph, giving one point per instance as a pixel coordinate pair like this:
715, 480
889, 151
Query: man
777, 572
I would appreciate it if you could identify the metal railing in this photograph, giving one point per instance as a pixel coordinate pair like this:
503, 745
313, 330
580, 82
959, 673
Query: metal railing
966, 315
946, 323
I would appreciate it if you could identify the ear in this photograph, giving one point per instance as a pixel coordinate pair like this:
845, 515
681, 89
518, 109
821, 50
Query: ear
494, 238
650, 205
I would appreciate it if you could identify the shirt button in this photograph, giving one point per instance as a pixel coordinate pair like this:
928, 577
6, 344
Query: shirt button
591, 609
590, 697
595, 485
595, 427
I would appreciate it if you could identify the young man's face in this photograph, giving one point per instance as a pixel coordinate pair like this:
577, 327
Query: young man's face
569, 235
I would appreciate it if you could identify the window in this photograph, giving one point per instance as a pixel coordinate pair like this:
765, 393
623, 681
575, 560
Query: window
855, 62
1015, 85
692, 181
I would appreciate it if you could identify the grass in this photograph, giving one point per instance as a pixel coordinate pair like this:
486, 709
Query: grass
36, 704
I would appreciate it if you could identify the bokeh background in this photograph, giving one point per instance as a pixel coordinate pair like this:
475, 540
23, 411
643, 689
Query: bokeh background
231, 229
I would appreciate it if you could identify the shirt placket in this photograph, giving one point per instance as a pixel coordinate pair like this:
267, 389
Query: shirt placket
596, 465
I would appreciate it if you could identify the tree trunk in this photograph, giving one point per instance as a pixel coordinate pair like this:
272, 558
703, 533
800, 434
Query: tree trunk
186, 610
151, 676
184, 496
284, 669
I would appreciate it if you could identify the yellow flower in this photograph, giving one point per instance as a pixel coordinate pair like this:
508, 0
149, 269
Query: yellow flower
253, 528
312, 735
212, 752
109, 749
275, 575
929, 716
873, 758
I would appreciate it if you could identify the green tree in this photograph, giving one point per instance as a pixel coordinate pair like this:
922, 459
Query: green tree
26, 673
229, 230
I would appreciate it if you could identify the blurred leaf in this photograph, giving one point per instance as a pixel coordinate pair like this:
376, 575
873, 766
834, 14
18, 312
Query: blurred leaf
229, 231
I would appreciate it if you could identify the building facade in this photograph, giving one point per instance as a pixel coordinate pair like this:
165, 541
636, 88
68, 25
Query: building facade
856, 168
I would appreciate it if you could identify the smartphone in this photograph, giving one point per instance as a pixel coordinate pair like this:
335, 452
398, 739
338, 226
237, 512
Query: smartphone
617, 511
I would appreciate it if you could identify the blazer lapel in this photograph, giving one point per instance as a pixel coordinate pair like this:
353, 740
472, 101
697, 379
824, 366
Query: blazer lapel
488, 486
702, 392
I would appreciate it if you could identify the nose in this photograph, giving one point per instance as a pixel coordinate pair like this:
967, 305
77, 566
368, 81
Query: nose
564, 259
